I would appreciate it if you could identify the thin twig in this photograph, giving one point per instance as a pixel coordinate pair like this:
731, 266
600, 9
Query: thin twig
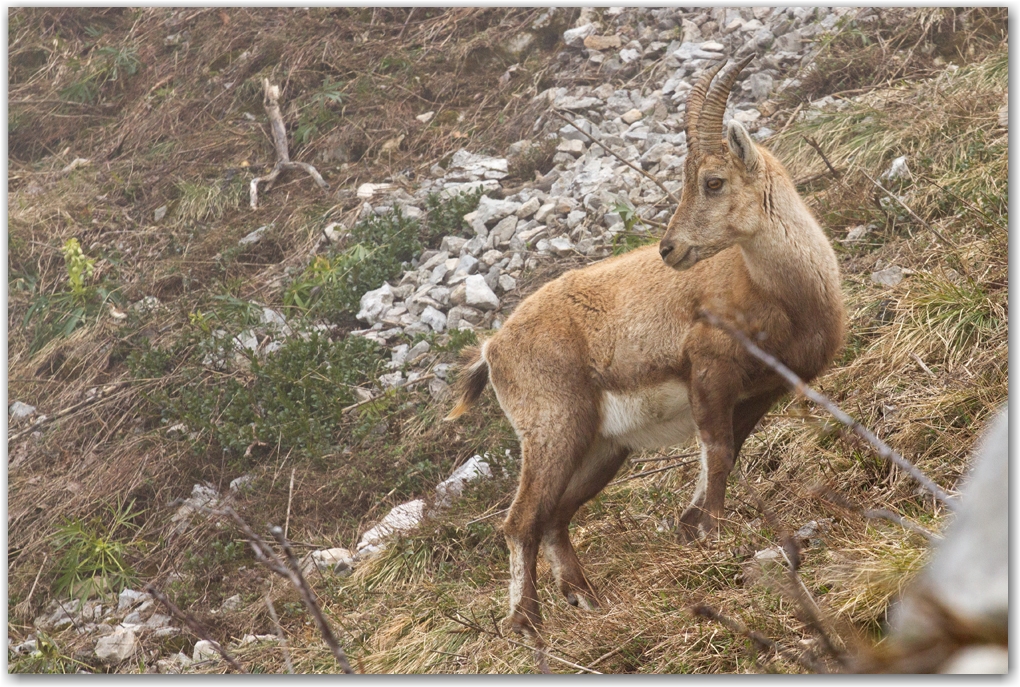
279, 634
832, 497
490, 515
762, 642
966, 202
791, 552
614, 154
790, 120
100, 394
818, 149
291, 571
290, 497
651, 472
195, 626
798, 385
907, 208
917, 359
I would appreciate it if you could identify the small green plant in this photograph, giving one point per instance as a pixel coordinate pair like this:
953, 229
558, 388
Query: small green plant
446, 216
79, 268
110, 65
628, 239
318, 113
53, 315
95, 553
332, 286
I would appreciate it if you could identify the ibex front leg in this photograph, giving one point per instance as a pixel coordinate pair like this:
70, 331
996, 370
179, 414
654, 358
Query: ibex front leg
714, 393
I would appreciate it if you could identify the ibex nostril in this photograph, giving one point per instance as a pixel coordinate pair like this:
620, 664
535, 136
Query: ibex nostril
664, 250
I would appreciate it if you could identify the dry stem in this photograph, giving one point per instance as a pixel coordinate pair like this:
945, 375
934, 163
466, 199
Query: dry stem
195, 626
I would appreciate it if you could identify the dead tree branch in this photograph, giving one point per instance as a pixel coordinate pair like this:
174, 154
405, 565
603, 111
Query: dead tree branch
271, 103
798, 385
828, 495
762, 642
818, 149
291, 570
791, 551
195, 626
906, 207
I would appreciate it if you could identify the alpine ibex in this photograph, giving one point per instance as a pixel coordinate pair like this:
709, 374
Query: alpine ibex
613, 358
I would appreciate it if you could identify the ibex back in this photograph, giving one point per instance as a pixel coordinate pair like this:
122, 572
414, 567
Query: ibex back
613, 358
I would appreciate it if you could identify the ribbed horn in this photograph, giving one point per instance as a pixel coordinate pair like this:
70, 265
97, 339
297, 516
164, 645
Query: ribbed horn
711, 116
694, 102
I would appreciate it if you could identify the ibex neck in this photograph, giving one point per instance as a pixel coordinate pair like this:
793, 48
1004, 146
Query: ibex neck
790, 258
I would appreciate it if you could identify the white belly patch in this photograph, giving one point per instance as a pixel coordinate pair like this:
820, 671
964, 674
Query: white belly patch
652, 417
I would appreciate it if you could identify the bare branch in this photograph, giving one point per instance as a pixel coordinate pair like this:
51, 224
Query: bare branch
271, 103
830, 496
762, 642
818, 149
798, 385
791, 551
195, 626
291, 571
906, 207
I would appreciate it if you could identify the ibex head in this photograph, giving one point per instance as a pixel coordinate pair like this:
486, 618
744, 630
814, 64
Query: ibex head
718, 206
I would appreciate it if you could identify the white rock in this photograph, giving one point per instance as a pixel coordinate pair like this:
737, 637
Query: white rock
174, 664
761, 85
117, 646
575, 217
129, 597
858, 233
375, 303
204, 651
401, 518
433, 318
232, 603
391, 380
425, 117
417, 351
338, 560
452, 244
254, 237
491, 211
366, 191
160, 213
478, 294
453, 486
629, 55
528, 209
507, 283
491, 257
19, 410
561, 245
466, 165
897, 169
572, 147
575, 37
631, 116
890, 276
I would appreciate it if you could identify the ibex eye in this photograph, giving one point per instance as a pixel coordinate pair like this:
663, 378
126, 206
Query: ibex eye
714, 184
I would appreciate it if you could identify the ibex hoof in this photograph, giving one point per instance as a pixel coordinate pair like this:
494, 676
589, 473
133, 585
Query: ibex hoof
588, 603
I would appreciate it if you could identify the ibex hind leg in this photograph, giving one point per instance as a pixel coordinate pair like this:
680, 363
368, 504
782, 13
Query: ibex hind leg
549, 459
600, 464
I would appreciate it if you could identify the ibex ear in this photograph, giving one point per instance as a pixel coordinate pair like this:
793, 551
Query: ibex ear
741, 145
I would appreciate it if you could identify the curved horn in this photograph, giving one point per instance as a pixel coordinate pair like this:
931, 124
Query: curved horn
710, 136
695, 100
